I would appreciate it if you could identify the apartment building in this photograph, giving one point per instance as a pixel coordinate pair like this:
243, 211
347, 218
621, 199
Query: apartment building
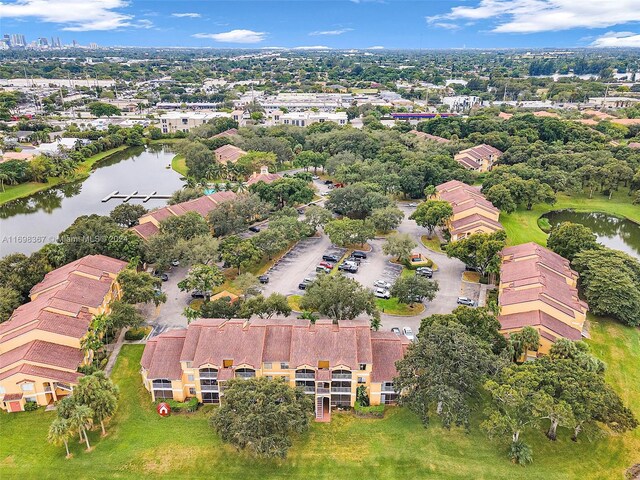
472, 212
184, 121
40, 344
326, 360
538, 289
479, 158
149, 224
304, 119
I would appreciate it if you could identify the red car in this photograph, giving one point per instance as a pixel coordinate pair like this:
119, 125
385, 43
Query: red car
327, 265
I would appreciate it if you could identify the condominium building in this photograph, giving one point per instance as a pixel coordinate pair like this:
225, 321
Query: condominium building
538, 289
40, 344
149, 223
472, 212
479, 158
184, 121
326, 360
304, 119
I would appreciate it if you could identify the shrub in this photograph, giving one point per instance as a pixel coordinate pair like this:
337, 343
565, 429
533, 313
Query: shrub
370, 411
87, 369
415, 266
520, 453
191, 405
30, 406
136, 333
544, 224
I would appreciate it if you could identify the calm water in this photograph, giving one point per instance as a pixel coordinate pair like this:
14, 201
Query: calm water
27, 224
613, 232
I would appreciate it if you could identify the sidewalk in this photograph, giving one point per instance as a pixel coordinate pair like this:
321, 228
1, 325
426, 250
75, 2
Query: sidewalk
115, 351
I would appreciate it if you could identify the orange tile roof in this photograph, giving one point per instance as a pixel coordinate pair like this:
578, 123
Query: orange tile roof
41, 372
298, 342
537, 318
47, 353
471, 157
229, 153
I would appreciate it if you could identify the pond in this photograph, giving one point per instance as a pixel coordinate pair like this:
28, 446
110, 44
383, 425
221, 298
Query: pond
28, 223
613, 232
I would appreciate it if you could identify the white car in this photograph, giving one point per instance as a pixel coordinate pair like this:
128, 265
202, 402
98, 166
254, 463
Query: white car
413, 205
407, 332
382, 284
316, 177
382, 293
324, 194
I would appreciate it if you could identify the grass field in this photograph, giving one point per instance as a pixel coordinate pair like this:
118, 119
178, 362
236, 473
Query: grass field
394, 307
294, 302
431, 243
522, 226
179, 164
13, 192
141, 444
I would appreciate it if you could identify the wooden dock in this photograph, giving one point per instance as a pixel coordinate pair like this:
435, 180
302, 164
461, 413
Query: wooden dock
143, 196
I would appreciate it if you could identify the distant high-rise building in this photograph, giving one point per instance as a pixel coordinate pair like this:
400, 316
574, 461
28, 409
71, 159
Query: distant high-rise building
75, 44
18, 40
93, 46
6, 39
43, 42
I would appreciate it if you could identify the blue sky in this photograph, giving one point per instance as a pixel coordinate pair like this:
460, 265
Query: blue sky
334, 24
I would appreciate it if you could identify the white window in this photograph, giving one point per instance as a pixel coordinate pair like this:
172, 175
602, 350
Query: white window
192, 391
27, 387
190, 378
2, 391
267, 365
284, 365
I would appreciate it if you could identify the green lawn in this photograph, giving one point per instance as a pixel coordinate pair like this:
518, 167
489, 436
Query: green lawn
522, 226
141, 444
179, 164
394, 307
13, 192
294, 302
432, 243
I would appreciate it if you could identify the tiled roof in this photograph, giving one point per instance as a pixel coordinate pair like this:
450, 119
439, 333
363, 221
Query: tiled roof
11, 397
229, 153
298, 342
464, 198
538, 318
42, 372
263, 177
473, 221
531, 273
471, 157
47, 353
227, 133
145, 230
387, 350
428, 136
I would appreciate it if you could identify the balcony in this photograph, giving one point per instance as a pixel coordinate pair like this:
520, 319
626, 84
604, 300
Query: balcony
340, 389
322, 390
308, 389
245, 375
211, 375
342, 376
210, 388
305, 376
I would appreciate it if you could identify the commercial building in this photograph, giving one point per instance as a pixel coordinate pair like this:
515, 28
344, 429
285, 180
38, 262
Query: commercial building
184, 121
40, 344
326, 360
304, 119
472, 212
480, 158
538, 289
149, 224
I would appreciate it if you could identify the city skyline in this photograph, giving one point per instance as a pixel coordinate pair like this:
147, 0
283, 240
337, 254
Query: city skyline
322, 25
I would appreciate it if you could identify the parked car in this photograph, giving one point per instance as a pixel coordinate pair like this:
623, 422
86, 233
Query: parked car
348, 267
330, 258
324, 194
301, 211
254, 229
358, 254
263, 279
316, 177
175, 263
327, 265
413, 205
396, 330
164, 277
331, 187
354, 260
466, 301
407, 332
200, 294
382, 284
382, 293
302, 286
322, 269
424, 272
328, 182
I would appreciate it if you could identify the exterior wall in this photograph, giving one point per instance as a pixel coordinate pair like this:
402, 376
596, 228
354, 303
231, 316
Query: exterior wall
42, 393
190, 379
36, 334
481, 228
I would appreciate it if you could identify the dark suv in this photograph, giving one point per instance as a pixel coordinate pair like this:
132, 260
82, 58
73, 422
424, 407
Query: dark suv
330, 258
358, 254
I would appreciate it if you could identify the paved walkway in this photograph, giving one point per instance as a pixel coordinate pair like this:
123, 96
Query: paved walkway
115, 351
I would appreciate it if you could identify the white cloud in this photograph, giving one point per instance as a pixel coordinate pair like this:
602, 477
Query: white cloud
530, 16
76, 15
312, 47
186, 15
234, 36
376, 47
331, 32
618, 39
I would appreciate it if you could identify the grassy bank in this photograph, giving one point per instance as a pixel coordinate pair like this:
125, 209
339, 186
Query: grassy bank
393, 307
179, 164
13, 192
522, 226
141, 444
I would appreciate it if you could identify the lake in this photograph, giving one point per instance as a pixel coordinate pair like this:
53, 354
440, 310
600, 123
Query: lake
612, 232
28, 223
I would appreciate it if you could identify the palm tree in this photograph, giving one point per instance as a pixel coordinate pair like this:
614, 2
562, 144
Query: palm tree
4, 178
82, 419
59, 432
